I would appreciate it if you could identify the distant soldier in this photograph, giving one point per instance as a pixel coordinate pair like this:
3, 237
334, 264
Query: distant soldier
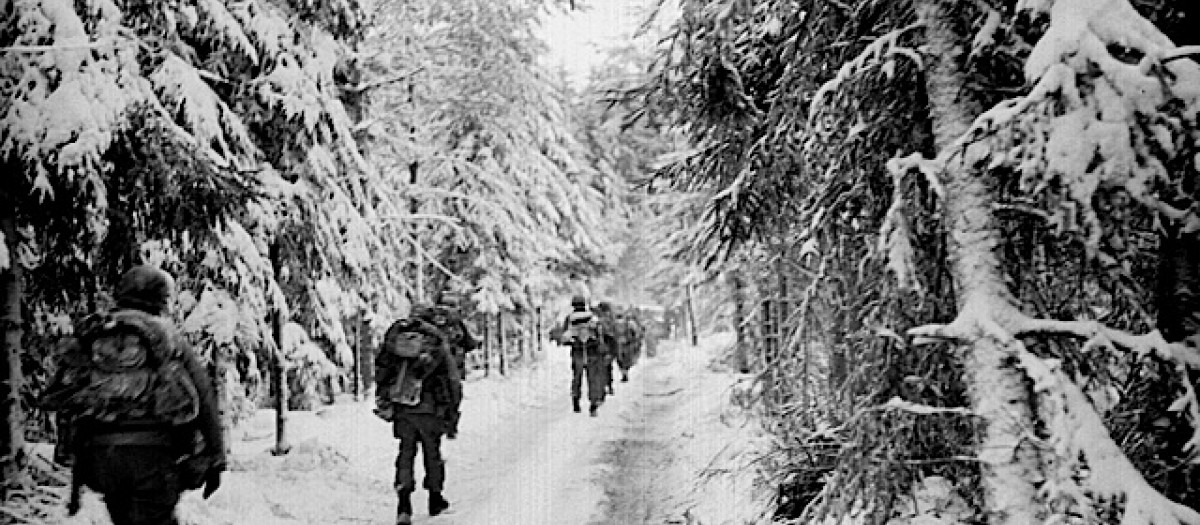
608, 341
582, 331
419, 391
629, 342
143, 415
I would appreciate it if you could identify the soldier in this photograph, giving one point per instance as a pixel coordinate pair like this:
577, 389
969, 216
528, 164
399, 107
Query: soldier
608, 342
629, 342
420, 392
583, 333
140, 453
447, 317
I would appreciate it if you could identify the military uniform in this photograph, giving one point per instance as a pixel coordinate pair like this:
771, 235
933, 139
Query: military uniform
587, 361
629, 342
608, 343
446, 318
141, 466
424, 423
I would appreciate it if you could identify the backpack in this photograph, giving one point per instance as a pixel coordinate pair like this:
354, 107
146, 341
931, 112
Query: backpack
124, 366
408, 351
582, 330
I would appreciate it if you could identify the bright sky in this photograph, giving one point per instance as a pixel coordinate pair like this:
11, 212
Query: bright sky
576, 37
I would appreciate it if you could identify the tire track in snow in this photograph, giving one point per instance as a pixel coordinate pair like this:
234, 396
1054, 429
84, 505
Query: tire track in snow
636, 486
542, 465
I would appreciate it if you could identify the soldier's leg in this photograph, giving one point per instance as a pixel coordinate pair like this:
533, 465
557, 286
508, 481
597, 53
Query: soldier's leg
404, 430
429, 428
608, 371
597, 380
146, 490
578, 369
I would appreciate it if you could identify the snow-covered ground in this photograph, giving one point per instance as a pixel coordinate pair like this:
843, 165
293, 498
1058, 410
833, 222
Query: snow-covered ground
667, 448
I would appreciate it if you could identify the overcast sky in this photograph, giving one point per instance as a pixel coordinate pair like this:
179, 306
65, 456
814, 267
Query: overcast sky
575, 37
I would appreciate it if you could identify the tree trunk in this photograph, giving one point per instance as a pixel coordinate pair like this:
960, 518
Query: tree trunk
691, 315
487, 344
783, 326
739, 320
997, 390
12, 434
355, 352
279, 367
502, 341
537, 329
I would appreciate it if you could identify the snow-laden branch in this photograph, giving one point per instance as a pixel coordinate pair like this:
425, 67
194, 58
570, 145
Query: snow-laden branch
416, 243
412, 217
48, 48
896, 403
1097, 334
1178, 53
1086, 452
882, 50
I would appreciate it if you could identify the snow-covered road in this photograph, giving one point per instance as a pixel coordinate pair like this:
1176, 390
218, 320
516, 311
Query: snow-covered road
666, 448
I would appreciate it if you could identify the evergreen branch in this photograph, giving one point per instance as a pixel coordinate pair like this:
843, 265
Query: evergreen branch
429, 257
1097, 334
1178, 53
68, 47
1080, 433
363, 87
895, 403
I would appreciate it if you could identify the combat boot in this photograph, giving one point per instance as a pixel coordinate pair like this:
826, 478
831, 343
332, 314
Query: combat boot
592, 409
437, 503
404, 508
575, 404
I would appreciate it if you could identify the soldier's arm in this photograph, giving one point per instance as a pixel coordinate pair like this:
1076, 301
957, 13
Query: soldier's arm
209, 419
455, 383
469, 342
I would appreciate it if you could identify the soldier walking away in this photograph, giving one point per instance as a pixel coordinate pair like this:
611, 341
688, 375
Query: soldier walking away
608, 342
446, 316
142, 412
629, 342
583, 333
419, 392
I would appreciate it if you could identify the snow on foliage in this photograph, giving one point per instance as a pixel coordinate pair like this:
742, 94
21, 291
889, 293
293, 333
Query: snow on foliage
208, 118
65, 102
1091, 121
5, 260
303, 354
219, 25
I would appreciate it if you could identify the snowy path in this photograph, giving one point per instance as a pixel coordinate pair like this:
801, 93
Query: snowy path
522, 456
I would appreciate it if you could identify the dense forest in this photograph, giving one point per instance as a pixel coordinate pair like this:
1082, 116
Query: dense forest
957, 240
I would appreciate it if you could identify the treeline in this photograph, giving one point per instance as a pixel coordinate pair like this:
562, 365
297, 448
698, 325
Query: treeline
306, 170
952, 235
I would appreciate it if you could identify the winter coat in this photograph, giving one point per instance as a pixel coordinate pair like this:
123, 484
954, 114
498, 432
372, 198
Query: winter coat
441, 391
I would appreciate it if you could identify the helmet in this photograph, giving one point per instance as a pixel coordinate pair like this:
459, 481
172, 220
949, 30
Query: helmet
578, 301
145, 288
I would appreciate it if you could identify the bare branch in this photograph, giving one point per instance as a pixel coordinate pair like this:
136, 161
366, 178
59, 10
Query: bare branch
380, 82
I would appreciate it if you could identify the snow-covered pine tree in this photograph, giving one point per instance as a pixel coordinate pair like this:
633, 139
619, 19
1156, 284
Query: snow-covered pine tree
1064, 229
190, 134
478, 141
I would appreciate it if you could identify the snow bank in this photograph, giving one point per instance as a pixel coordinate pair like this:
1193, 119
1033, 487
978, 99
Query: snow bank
716, 445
